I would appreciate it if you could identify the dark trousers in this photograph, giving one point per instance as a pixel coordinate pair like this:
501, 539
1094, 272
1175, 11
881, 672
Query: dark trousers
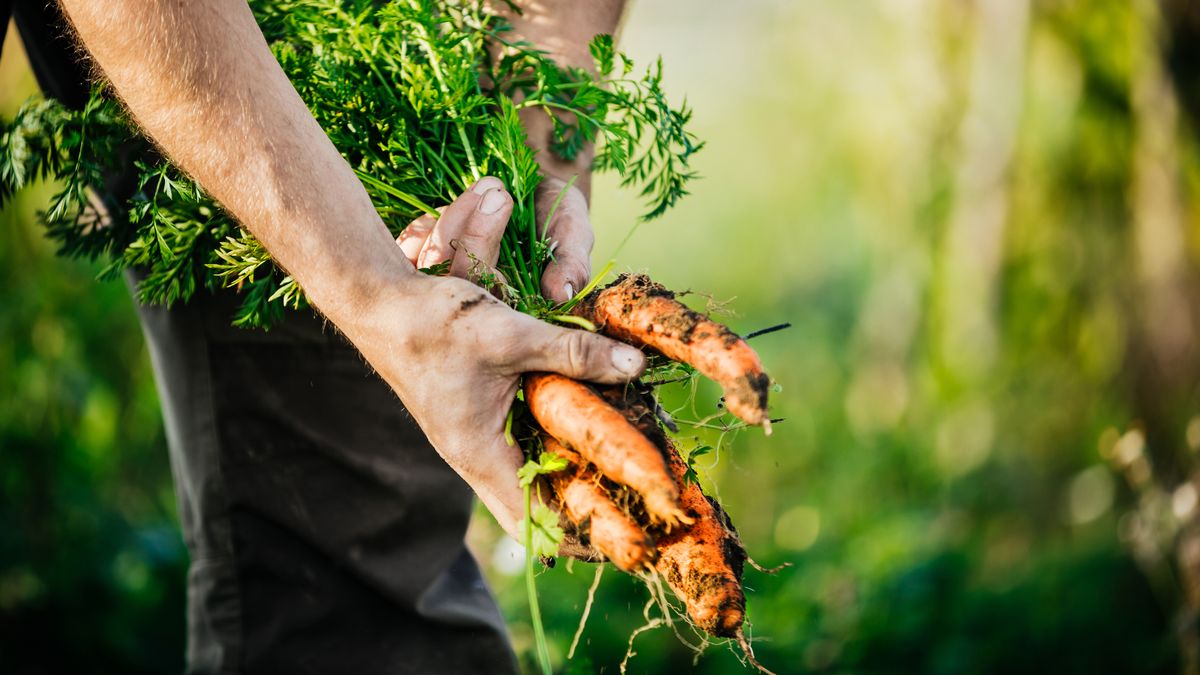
326, 533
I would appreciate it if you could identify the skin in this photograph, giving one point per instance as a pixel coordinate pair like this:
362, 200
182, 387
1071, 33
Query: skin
201, 81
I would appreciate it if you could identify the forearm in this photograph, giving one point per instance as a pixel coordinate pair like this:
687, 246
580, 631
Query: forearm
201, 81
562, 28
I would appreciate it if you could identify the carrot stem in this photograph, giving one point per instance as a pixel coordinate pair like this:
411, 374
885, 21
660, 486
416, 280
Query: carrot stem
539, 633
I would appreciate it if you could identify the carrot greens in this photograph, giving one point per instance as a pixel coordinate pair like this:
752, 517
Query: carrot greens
421, 97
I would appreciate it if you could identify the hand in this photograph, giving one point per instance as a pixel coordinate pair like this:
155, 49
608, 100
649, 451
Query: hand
455, 354
570, 236
468, 232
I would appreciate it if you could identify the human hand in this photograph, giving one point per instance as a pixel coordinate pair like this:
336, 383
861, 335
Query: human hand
455, 354
467, 233
570, 236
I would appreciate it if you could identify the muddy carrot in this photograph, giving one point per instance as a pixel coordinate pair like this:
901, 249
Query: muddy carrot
589, 507
571, 412
702, 562
639, 311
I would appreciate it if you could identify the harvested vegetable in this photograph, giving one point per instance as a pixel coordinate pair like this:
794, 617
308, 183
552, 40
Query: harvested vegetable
572, 413
701, 560
636, 310
600, 522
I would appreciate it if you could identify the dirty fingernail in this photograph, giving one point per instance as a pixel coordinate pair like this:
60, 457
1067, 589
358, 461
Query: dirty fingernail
492, 202
627, 360
569, 290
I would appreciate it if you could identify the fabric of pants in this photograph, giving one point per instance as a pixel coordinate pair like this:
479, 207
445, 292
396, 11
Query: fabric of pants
326, 534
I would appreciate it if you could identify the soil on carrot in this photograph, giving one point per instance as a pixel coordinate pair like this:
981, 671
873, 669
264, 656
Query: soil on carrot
702, 562
641, 312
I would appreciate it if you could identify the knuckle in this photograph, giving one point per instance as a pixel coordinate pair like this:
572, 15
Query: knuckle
578, 350
508, 348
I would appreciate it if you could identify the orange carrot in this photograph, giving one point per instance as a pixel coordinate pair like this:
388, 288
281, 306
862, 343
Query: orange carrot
702, 562
577, 416
606, 527
636, 310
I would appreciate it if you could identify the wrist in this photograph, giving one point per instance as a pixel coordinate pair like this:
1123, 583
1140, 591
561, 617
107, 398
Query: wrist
353, 293
540, 131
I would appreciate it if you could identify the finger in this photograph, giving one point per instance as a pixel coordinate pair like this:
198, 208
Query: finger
577, 354
570, 234
478, 246
413, 237
570, 269
438, 247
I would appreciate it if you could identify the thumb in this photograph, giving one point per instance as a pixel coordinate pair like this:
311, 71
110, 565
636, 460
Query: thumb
580, 355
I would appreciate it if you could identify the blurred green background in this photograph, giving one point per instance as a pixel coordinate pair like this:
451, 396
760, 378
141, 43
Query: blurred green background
981, 218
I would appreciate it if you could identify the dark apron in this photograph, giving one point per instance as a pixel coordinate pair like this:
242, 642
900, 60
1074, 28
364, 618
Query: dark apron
326, 534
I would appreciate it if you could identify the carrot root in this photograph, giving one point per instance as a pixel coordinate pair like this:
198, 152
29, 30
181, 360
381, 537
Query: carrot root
636, 310
574, 414
748, 652
606, 527
702, 564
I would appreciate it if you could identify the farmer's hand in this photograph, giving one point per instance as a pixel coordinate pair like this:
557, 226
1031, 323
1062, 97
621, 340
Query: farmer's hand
570, 237
467, 233
455, 354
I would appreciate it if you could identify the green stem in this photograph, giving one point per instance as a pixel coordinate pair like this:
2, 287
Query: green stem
539, 633
398, 194
531, 102
436, 64
531, 211
436, 156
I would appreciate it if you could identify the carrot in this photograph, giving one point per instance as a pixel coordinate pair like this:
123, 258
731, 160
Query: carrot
604, 525
702, 562
574, 414
636, 310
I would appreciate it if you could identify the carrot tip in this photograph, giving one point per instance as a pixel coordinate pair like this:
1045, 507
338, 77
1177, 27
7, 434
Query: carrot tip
748, 652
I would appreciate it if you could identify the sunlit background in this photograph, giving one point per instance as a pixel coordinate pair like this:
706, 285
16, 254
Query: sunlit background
980, 217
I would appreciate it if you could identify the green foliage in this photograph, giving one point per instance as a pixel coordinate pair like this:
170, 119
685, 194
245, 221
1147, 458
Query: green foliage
413, 96
547, 534
547, 462
543, 521
45, 140
690, 474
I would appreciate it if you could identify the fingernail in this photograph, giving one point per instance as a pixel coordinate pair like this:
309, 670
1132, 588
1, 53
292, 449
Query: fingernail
486, 183
493, 201
627, 360
569, 289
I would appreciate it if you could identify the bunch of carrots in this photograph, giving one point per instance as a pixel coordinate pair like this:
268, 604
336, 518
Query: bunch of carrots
624, 488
